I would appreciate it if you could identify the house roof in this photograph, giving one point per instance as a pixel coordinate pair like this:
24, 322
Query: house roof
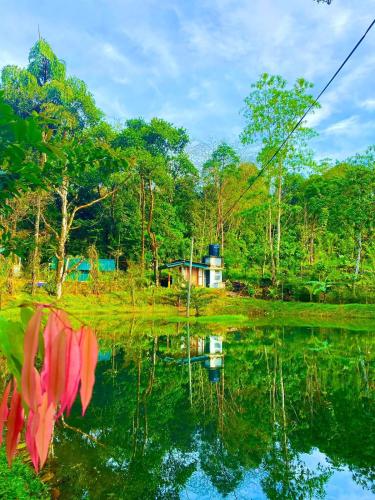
84, 265
185, 263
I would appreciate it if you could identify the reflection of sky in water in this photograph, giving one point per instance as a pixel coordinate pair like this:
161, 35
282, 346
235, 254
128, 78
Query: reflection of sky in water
340, 485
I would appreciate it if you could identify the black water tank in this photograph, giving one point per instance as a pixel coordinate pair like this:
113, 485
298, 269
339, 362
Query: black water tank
214, 250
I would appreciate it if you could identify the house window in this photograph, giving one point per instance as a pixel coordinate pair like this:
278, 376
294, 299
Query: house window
217, 276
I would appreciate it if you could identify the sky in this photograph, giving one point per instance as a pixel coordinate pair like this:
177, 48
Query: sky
192, 62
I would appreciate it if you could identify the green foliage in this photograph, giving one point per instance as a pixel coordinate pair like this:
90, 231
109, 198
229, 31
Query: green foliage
224, 161
200, 298
20, 482
134, 280
271, 110
298, 223
44, 88
11, 345
17, 168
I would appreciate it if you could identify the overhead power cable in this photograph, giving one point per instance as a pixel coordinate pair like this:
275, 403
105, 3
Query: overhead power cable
263, 169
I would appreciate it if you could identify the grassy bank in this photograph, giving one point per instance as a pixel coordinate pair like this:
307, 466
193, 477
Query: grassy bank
224, 307
278, 309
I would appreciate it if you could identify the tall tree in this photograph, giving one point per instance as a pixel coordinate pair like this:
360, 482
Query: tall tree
68, 108
271, 111
224, 162
155, 150
20, 141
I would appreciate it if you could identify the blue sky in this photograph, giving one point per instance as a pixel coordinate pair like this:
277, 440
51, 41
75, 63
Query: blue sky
192, 61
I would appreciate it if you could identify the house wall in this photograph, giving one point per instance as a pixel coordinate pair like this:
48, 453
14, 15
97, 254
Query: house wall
201, 277
215, 278
211, 278
213, 261
195, 278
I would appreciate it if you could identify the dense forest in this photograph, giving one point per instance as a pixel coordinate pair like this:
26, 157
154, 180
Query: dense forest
73, 184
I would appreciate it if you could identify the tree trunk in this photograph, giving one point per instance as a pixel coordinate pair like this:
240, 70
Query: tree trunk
60, 254
67, 220
203, 227
221, 220
311, 249
154, 245
278, 241
270, 239
265, 252
142, 203
218, 221
35, 258
12, 263
359, 255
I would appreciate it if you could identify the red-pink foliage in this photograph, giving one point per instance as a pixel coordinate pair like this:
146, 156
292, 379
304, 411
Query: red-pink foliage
14, 424
46, 413
29, 379
69, 360
4, 411
89, 356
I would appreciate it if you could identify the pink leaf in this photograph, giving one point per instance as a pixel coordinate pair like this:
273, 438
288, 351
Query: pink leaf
53, 372
51, 330
89, 358
14, 424
4, 411
31, 431
72, 371
28, 379
56, 373
79, 335
45, 428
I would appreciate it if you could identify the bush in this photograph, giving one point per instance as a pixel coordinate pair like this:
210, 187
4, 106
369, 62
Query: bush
20, 482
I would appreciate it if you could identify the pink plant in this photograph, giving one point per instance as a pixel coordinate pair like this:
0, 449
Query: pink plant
4, 411
70, 359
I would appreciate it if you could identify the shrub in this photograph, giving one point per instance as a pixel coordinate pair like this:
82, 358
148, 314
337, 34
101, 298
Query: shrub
20, 482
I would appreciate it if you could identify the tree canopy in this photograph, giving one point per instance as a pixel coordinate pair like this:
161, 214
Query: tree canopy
133, 191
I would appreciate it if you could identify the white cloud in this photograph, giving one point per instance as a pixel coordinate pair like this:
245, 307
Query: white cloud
368, 104
114, 106
157, 49
320, 115
112, 53
122, 80
193, 62
341, 21
346, 126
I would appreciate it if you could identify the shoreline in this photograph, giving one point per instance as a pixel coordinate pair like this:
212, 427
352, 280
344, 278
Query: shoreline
224, 308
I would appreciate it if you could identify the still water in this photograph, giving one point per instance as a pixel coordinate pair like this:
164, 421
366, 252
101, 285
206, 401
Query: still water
210, 413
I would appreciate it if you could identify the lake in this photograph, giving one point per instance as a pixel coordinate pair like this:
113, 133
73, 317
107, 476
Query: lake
213, 412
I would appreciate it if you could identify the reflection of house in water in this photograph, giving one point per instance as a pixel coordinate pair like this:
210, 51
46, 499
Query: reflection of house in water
208, 351
215, 360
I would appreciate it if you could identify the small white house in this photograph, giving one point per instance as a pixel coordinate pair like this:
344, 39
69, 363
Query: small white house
208, 273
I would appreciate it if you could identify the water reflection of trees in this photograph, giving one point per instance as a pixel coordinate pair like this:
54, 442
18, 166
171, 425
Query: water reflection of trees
281, 393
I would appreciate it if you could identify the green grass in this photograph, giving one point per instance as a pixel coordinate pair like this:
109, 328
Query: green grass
225, 308
20, 481
257, 307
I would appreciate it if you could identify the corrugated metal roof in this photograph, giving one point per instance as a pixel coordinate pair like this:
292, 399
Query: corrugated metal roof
185, 263
107, 265
84, 265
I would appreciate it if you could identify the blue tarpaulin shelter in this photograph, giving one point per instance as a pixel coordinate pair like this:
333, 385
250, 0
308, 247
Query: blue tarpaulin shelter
80, 268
